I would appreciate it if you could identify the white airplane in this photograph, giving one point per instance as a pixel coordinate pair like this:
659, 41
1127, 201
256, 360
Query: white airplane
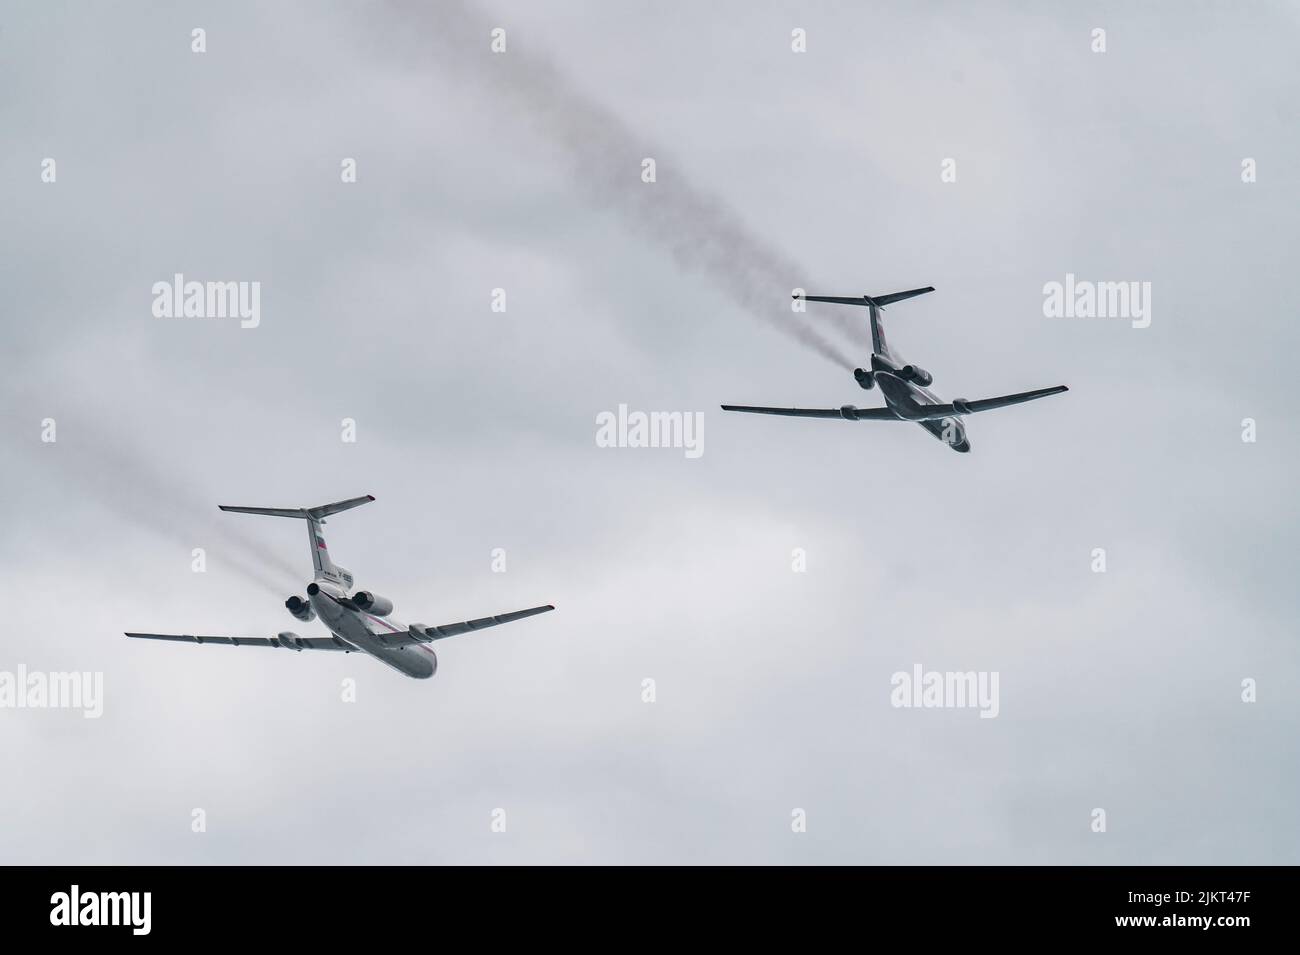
358, 621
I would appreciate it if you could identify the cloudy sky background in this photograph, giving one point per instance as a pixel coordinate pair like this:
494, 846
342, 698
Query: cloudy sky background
476, 431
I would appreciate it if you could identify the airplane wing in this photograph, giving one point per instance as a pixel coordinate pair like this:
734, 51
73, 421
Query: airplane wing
288, 641
419, 633
961, 407
848, 412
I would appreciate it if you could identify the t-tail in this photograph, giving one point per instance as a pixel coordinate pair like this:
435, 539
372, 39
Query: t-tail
325, 568
876, 303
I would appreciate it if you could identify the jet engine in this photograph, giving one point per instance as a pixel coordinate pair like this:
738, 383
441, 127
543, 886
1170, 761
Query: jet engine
420, 631
917, 374
866, 380
300, 608
372, 603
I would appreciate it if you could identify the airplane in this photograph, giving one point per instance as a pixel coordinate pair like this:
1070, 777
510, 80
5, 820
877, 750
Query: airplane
359, 621
905, 387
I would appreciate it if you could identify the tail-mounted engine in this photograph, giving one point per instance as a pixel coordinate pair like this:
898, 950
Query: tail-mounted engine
917, 374
300, 608
372, 603
866, 380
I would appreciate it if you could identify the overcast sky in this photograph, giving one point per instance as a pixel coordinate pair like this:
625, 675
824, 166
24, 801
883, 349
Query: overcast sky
476, 430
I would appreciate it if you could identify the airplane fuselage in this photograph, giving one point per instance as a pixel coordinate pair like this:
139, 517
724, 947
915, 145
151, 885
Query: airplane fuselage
365, 632
902, 397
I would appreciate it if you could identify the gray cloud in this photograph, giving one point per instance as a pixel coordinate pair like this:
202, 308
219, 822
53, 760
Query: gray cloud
475, 431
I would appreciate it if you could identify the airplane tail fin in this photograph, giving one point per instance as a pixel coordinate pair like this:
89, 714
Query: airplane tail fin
876, 303
315, 517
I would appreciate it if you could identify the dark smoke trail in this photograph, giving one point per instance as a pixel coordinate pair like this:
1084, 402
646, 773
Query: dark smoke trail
699, 230
116, 475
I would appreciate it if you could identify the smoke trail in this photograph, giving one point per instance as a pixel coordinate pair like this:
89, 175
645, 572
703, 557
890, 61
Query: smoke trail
117, 476
699, 230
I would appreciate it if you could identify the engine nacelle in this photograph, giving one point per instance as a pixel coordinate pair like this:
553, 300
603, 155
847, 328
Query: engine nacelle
917, 374
372, 603
866, 380
961, 406
300, 608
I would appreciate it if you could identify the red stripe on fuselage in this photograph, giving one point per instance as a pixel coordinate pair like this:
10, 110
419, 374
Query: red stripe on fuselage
385, 623
382, 623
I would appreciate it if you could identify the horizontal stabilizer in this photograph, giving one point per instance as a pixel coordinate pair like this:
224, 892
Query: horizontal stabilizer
893, 297
879, 301
268, 511
314, 513
324, 567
